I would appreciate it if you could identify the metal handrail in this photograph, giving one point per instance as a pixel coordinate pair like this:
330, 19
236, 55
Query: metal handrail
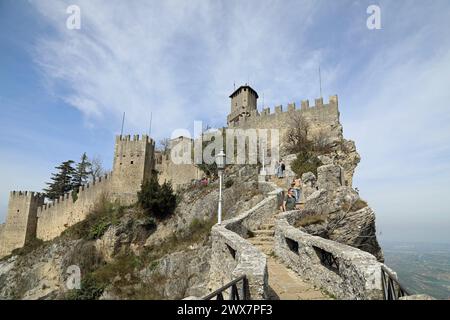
234, 293
392, 289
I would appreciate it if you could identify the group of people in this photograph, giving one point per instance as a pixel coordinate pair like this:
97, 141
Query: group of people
200, 182
280, 167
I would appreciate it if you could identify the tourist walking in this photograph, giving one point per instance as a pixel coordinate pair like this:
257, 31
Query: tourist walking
289, 201
283, 167
280, 169
298, 189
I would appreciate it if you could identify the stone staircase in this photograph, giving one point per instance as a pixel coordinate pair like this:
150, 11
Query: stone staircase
284, 283
281, 183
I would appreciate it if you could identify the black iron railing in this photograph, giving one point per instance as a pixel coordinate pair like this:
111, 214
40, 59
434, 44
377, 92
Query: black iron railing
392, 289
327, 259
235, 293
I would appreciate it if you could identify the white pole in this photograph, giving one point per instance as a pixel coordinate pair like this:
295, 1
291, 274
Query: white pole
220, 198
263, 157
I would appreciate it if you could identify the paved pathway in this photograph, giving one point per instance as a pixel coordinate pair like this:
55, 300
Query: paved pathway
285, 284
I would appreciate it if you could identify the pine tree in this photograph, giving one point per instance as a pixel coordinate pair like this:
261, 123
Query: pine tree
82, 172
62, 181
158, 201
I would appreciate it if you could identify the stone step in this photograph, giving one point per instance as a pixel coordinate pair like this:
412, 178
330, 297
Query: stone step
262, 239
267, 226
264, 232
266, 248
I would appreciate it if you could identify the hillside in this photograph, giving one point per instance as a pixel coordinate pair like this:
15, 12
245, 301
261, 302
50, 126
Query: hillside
124, 254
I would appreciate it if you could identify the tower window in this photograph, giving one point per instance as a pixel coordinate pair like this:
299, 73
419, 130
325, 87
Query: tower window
18, 210
131, 162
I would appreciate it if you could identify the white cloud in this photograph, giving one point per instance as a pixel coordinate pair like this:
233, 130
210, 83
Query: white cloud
177, 59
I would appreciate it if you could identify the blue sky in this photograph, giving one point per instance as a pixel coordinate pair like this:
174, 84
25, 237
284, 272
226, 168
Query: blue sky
62, 92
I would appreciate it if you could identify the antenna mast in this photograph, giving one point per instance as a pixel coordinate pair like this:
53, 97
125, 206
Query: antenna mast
320, 82
150, 128
123, 121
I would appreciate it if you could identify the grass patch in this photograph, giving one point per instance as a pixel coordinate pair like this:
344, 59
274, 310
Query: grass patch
147, 291
90, 290
310, 220
120, 273
198, 231
352, 207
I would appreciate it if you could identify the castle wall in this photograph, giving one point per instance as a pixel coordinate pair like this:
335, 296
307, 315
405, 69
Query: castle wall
54, 218
2, 228
21, 221
177, 174
323, 119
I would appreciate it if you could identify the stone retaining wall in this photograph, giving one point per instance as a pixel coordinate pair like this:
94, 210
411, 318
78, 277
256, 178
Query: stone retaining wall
343, 271
233, 256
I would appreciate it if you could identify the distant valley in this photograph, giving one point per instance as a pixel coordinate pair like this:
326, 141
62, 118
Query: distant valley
421, 267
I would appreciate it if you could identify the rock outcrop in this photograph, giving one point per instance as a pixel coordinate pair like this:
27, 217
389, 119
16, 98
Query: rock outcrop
348, 218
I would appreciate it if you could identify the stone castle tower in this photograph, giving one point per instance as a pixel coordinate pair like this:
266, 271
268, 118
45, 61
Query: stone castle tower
21, 222
134, 162
243, 103
29, 217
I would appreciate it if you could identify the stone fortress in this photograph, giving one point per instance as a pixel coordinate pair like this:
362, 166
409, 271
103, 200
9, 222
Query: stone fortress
135, 159
29, 217
322, 118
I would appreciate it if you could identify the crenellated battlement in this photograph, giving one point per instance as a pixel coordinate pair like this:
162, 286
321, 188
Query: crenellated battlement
304, 105
256, 119
134, 138
83, 192
28, 194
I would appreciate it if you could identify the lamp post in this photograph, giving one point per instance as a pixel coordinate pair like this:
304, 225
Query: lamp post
220, 162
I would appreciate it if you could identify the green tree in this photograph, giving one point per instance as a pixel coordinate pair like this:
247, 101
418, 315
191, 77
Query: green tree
305, 162
62, 181
157, 200
82, 172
